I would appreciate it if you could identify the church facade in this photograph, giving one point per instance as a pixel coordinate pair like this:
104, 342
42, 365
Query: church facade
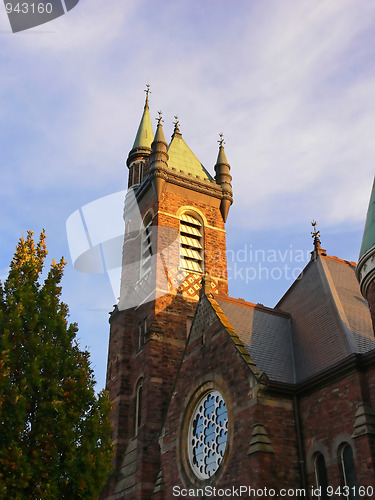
218, 397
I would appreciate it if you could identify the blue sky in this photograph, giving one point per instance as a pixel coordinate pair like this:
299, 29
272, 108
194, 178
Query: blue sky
290, 84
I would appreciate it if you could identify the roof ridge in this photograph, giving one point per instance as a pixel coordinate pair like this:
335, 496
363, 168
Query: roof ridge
252, 305
340, 261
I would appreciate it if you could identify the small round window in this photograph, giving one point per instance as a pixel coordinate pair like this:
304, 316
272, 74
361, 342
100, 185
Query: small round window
208, 433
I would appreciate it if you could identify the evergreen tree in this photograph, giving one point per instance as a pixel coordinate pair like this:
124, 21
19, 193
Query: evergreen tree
54, 430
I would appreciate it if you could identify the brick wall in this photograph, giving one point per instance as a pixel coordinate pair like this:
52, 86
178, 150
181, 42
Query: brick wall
328, 417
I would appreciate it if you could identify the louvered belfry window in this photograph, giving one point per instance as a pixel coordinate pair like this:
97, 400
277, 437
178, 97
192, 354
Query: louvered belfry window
191, 243
146, 246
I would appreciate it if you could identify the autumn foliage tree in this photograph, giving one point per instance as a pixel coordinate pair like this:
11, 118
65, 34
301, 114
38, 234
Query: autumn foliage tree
54, 430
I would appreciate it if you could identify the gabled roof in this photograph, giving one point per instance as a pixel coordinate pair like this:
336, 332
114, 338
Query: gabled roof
183, 159
330, 319
321, 320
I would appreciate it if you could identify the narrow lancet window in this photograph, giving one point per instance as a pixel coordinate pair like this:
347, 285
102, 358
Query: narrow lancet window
191, 243
349, 473
138, 407
321, 476
146, 246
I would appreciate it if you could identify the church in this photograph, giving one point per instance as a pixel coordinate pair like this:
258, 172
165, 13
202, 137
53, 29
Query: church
219, 397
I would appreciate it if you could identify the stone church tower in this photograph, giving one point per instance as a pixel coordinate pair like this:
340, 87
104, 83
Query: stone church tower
174, 234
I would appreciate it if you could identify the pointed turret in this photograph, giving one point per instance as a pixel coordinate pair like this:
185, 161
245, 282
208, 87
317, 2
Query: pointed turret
223, 178
159, 160
144, 135
366, 263
138, 158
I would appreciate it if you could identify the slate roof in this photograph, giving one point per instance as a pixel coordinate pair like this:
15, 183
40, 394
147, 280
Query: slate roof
330, 319
354, 312
265, 334
321, 320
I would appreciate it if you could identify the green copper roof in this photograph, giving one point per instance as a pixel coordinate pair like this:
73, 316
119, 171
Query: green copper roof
182, 158
145, 135
368, 240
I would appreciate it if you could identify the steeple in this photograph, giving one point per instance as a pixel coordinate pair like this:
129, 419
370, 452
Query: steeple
366, 262
144, 137
159, 160
223, 178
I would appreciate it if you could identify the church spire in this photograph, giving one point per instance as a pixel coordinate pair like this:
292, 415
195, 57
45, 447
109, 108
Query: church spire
144, 135
138, 158
159, 159
223, 178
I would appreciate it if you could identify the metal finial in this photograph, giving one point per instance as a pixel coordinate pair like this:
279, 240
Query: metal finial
221, 140
159, 119
148, 91
176, 123
315, 234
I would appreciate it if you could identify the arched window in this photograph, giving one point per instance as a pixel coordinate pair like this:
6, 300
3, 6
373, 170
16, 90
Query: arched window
138, 406
348, 471
191, 243
146, 247
321, 475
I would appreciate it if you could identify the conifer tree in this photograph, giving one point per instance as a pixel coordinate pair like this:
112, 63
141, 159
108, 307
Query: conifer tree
54, 430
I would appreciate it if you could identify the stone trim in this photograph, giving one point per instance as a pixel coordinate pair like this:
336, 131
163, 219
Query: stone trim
187, 181
364, 422
159, 483
192, 208
260, 376
366, 270
260, 442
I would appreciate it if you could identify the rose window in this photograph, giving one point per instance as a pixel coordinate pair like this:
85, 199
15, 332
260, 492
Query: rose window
208, 433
